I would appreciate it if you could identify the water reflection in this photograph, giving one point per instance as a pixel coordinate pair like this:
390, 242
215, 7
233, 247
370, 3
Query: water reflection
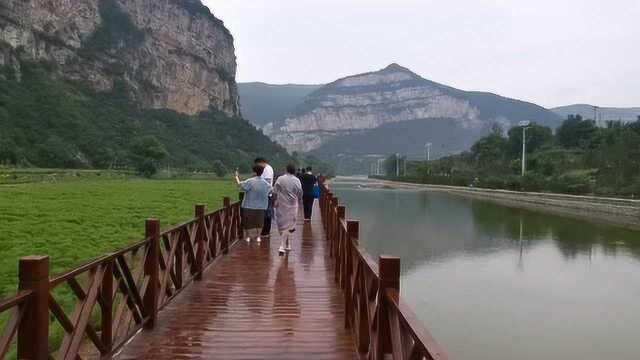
500, 283
427, 226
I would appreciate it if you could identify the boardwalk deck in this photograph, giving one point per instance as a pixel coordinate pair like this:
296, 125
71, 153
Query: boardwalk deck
253, 304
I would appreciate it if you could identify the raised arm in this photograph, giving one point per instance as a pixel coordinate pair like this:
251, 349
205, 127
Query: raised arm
237, 177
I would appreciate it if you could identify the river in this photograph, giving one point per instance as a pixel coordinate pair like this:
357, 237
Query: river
499, 283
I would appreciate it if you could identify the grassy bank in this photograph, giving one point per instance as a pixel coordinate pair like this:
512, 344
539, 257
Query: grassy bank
74, 221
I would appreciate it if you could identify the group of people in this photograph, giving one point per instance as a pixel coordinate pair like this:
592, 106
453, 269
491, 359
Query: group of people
265, 199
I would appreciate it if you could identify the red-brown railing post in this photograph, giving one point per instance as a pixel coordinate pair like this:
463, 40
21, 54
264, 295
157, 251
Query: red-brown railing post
240, 198
226, 238
333, 215
107, 308
389, 268
201, 227
353, 233
152, 270
179, 257
338, 245
33, 334
326, 212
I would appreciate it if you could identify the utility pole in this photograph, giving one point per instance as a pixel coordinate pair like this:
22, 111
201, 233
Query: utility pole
397, 165
525, 125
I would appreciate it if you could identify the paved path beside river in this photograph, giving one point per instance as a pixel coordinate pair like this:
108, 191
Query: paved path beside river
622, 212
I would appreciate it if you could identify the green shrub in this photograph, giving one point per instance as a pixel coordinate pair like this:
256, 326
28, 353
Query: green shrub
147, 168
577, 184
534, 182
219, 169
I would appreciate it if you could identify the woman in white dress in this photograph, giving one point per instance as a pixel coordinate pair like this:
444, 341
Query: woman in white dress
288, 194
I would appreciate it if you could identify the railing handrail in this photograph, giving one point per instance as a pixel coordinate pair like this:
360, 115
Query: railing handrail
368, 286
156, 270
415, 326
15, 300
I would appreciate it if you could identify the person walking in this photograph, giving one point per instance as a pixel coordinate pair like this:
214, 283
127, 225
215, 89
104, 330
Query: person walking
308, 181
255, 203
267, 175
287, 193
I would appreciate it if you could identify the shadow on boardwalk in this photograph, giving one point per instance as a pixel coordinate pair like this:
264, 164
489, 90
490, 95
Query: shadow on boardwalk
254, 304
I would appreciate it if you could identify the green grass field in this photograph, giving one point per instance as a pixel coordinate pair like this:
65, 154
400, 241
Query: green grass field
75, 221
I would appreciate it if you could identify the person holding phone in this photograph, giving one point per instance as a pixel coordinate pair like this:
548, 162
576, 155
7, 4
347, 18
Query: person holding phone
255, 202
267, 175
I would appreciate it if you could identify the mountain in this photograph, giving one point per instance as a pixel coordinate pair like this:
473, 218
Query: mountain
350, 108
171, 54
603, 113
102, 83
264, 103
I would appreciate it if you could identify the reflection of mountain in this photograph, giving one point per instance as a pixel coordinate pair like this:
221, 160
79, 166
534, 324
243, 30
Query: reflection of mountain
424, 226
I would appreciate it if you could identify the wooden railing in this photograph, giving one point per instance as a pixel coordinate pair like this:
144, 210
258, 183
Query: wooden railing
115, 295
381, 322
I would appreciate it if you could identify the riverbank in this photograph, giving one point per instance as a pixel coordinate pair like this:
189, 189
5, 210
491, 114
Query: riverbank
621, 212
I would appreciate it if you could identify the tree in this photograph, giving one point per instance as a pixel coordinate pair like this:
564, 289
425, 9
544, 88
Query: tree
58, 153
536, 137
148, 152
489, 152
576, 132
8, 153
219, 169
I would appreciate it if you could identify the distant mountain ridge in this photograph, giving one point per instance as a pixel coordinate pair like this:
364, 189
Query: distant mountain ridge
262, 103
602, 113
360, 103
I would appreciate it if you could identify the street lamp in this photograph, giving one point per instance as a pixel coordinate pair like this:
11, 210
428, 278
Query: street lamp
525, 126
427, 147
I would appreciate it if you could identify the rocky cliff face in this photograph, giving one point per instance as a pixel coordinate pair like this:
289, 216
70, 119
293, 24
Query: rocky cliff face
359, 103
169, 54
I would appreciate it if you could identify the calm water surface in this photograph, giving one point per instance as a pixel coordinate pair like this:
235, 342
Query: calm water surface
492, 282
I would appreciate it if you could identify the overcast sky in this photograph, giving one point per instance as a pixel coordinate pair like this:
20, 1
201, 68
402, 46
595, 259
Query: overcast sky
552, 52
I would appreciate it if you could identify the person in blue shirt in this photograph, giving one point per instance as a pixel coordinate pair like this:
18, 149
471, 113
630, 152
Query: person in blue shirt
255, 203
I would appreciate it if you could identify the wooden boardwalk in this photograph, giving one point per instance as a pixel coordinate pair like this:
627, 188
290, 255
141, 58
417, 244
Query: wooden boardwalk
327, 299
254, 304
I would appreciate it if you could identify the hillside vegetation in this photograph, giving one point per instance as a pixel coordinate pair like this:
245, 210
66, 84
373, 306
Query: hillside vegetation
48, 122
579, 158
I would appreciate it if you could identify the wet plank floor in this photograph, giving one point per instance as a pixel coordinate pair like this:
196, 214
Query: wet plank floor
254, 304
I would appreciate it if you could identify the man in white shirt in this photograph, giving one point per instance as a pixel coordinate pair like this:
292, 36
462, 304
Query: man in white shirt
267, 175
